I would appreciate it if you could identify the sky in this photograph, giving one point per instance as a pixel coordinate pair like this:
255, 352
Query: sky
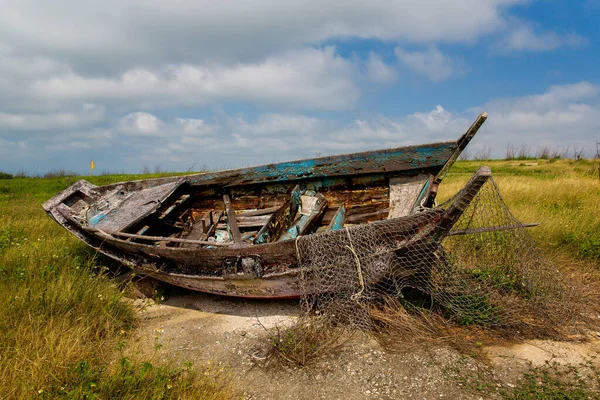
190, 84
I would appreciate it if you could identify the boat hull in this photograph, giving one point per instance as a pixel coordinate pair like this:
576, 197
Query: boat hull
134, 223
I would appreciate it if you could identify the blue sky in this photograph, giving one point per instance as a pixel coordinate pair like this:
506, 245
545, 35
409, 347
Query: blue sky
225, 84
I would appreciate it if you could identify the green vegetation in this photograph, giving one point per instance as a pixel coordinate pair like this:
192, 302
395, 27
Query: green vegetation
563, 195
555, 381
65, 323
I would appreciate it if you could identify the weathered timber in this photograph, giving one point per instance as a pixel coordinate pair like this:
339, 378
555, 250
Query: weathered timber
211, 222
398, 159
249, 222
460, 146
312, 209
462, 201
143, 230
124, 209
280, 220
370, 216
231, 220
153, 238
403, 192
338, 220
248, 235
257, 213
173, 206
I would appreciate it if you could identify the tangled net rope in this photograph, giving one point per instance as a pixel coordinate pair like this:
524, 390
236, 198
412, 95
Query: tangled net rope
487, 270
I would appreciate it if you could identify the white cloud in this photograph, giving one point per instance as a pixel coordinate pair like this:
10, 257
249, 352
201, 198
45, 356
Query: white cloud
141, 123
524, 38
432, 63
435, 120
117, 33
555, 97
562, 116
87, 115
380, 72
307, 78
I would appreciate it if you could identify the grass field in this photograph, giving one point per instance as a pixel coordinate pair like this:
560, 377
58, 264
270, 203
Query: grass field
65, 325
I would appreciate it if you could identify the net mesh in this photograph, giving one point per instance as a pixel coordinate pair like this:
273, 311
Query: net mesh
485, 268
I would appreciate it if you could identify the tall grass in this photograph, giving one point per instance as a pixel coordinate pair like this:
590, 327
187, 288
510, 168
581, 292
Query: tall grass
63, 324
563, 196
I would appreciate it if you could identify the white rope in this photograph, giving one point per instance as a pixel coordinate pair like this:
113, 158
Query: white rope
356, 295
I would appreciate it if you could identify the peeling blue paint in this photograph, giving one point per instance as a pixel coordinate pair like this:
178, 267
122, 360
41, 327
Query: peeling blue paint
393, 160
338, 220
96, 219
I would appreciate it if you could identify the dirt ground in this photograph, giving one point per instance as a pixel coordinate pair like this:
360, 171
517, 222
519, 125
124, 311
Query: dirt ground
233, 332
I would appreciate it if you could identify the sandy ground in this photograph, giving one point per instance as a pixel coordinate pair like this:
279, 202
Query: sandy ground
233, 332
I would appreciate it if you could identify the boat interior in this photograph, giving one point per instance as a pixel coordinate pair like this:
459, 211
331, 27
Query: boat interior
180, 214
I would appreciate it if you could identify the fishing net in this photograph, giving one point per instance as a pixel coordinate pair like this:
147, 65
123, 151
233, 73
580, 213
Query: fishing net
484, 269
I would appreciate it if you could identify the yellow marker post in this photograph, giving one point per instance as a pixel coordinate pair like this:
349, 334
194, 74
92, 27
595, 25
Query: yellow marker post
92, 166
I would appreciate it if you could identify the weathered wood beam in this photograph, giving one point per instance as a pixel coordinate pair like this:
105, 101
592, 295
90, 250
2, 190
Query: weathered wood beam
143, 230
380, 161
338, 220
461, 144
280, 220
256, 213
174, 206
369, 216
152, 238
231, 220
312, 208
211, 222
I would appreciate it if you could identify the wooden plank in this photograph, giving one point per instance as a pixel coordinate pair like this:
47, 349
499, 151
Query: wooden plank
231, 220
398, 159
461, 144
366, 217
125, 214
255, 213
338, 220
248, 235
250, 222
404, 192
354, 210
143, 230
462, 200
174, 206
152, 238
211, 222
204, 227
280, 220
312, 208
258, 220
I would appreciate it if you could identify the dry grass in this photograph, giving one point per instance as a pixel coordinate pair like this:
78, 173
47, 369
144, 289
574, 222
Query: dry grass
309, 340
563, 196
401, 329
64, 323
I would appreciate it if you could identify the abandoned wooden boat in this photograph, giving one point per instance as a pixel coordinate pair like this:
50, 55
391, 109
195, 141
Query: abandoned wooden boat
234, 232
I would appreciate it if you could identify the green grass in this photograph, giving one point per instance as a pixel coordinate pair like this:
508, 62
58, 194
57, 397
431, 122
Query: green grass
555, 381
64, 322
563, 196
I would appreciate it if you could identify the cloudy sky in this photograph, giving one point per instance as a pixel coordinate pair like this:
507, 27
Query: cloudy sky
182, 83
